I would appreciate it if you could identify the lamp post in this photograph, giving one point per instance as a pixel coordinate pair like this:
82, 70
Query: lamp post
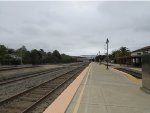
107, 41
99, 57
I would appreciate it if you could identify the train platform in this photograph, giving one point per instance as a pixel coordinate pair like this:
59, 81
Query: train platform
125, 66
134, 71
98, 90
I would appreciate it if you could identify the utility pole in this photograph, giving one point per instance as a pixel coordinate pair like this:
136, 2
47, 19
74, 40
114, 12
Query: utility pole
107, 41
96, 57
99, 57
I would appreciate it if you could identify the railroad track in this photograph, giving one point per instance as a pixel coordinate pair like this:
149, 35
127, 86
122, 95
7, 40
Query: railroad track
29, 75
5, 68
17, 67
26, 101
134, 73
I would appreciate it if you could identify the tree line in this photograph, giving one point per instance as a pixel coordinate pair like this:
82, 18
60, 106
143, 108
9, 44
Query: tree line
9, 56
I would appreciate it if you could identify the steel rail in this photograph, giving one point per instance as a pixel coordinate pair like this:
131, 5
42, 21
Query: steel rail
20, 67
29, 75
28, 90
12, 97
27, 110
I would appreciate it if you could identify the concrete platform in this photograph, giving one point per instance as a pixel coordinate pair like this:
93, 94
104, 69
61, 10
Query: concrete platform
109, 91
125, 66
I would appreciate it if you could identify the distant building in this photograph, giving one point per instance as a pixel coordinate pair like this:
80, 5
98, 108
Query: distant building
82, 59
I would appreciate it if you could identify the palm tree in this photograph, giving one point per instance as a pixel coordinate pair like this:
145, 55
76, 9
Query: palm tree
124, 51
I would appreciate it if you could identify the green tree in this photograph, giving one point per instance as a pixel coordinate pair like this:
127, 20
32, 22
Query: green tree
115, 54
121, 52
3, 50
12, 56
66, 58
44, 55
49, 57
36, 56
24, 54
11, 51
27, 57
3, 53
124, 51
56, 55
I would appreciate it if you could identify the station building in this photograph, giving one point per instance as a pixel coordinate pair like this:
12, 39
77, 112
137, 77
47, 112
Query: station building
135, 59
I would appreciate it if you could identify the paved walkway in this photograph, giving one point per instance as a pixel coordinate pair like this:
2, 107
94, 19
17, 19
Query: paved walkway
109, 91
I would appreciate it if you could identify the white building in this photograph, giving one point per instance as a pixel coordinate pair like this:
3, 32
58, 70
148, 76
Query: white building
141, 51
137, 55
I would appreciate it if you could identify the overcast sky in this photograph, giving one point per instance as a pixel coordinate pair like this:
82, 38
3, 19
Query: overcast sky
75, 28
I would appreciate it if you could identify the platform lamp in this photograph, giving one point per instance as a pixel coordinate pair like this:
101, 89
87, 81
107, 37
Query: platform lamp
107, 41
99, 56
96, 57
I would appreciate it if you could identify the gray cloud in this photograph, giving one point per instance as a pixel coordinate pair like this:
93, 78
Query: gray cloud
75, 28
31, 30
5, 30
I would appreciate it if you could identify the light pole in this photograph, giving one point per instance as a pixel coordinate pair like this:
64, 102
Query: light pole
96, 57
99, 57
107, 41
